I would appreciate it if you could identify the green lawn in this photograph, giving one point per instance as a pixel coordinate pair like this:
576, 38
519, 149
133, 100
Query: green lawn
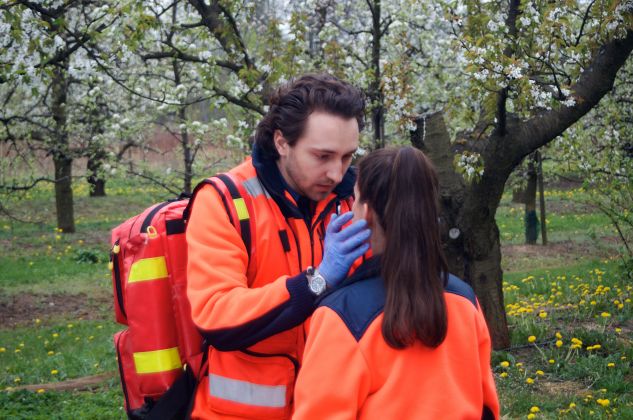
55, 297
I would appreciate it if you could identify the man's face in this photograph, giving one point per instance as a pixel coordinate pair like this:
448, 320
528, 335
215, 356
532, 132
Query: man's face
316, 163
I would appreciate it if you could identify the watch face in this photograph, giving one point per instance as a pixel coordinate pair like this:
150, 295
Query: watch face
317, 284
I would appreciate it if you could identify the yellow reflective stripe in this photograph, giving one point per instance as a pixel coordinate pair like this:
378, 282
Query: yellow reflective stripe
157, 361
148, 269
240, 207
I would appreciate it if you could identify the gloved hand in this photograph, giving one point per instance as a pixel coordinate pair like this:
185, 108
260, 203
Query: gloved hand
342, 247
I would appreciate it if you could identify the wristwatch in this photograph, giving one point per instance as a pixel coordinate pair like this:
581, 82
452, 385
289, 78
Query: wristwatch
316, 282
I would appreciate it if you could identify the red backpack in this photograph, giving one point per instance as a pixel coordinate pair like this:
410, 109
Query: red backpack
160, 353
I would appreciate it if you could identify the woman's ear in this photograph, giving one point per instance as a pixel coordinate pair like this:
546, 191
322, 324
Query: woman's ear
368, 214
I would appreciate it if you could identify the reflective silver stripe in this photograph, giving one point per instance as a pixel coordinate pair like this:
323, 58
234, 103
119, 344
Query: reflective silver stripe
246, 392
254, 187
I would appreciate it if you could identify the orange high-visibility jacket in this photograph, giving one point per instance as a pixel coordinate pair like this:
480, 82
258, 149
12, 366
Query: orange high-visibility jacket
251, 308
349, 371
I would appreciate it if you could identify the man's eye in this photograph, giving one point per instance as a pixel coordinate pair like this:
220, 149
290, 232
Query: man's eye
324, 157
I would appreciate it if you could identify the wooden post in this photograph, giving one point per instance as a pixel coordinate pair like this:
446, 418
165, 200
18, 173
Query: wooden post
539, 171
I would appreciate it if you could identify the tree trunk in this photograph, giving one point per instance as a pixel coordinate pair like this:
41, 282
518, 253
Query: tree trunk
96, 181
64, 194
186, 150
531, 221
469, 231
61, 153
375, 91
539, 159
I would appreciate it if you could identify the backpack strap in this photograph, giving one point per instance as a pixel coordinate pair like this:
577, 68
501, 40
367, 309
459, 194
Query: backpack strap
237, 207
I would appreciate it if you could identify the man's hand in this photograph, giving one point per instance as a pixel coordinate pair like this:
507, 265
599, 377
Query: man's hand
342, 247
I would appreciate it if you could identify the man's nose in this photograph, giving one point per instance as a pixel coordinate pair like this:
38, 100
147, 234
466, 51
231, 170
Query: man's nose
335, 172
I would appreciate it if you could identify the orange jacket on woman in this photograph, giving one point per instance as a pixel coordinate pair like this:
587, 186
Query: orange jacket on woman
250, 306
349, 371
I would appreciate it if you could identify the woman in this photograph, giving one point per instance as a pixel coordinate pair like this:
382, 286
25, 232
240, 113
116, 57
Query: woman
400, 339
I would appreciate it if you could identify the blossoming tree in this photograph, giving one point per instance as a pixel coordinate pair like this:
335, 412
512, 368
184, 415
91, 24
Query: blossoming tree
535, 69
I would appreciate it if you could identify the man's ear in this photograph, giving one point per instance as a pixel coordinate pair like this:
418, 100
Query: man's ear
281, 144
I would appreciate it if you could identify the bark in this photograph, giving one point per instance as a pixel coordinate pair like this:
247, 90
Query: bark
469, 231
61, 154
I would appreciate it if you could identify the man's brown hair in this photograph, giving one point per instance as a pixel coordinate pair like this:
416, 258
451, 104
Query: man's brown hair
291, 105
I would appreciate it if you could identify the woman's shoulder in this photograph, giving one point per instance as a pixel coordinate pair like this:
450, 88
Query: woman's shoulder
357, 304
459, 287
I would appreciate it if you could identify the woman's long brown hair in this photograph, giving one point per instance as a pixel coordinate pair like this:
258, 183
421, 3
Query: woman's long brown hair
401, 187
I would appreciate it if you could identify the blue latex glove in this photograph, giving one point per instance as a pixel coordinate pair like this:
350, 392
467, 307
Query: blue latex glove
342, 247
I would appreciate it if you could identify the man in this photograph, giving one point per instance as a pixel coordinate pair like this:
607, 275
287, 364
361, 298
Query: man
250, 305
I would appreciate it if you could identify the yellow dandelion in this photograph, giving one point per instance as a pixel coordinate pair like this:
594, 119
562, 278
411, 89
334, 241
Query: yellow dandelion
41, 391
531, 339
618, 330
17, 380
611, 364
55, 335
51, 352
534, 409
605, 314
54, 372
529, 381
603, 402
551, 361
504, 364
504, 374
540, 373
531, 416
572, 405
559, 343
518, 364
17, 350
559, 335
542, 315
2, 349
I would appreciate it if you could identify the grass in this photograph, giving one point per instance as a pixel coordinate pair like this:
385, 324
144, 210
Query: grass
570, 317
53, 283
41, 343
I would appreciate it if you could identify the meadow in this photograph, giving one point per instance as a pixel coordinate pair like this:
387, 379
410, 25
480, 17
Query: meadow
568, 306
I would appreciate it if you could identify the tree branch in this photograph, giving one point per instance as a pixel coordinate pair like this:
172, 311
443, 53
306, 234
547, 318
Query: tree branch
594, 83
210, 15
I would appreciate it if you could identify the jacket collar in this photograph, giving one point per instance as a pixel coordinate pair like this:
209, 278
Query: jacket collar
271, 178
